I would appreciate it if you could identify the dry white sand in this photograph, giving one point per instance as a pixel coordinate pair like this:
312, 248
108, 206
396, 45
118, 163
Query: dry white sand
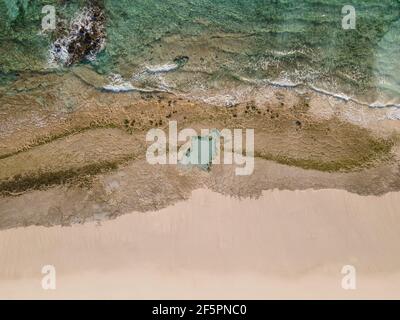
286, 244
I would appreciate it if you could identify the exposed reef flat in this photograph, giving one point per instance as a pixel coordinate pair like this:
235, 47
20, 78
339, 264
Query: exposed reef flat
75, 152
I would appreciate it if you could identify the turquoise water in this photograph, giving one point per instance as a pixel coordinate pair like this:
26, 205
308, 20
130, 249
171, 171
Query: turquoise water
280, 41
202, 150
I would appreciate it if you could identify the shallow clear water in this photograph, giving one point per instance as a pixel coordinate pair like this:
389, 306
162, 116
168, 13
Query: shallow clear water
285, 42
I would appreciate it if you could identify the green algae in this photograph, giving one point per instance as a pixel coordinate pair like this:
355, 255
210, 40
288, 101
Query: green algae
44, 179
40, 180
374, 149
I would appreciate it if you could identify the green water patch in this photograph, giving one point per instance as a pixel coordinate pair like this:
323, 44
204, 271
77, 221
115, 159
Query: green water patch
202, 151
6, 79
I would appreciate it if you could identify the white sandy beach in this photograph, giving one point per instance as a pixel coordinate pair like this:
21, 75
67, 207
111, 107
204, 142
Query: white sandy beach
286, 244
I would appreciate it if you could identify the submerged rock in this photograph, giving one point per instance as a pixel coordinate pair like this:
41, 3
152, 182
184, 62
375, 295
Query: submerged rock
85, 38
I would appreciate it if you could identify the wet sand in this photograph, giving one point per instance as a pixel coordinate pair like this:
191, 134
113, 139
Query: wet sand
286, 244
